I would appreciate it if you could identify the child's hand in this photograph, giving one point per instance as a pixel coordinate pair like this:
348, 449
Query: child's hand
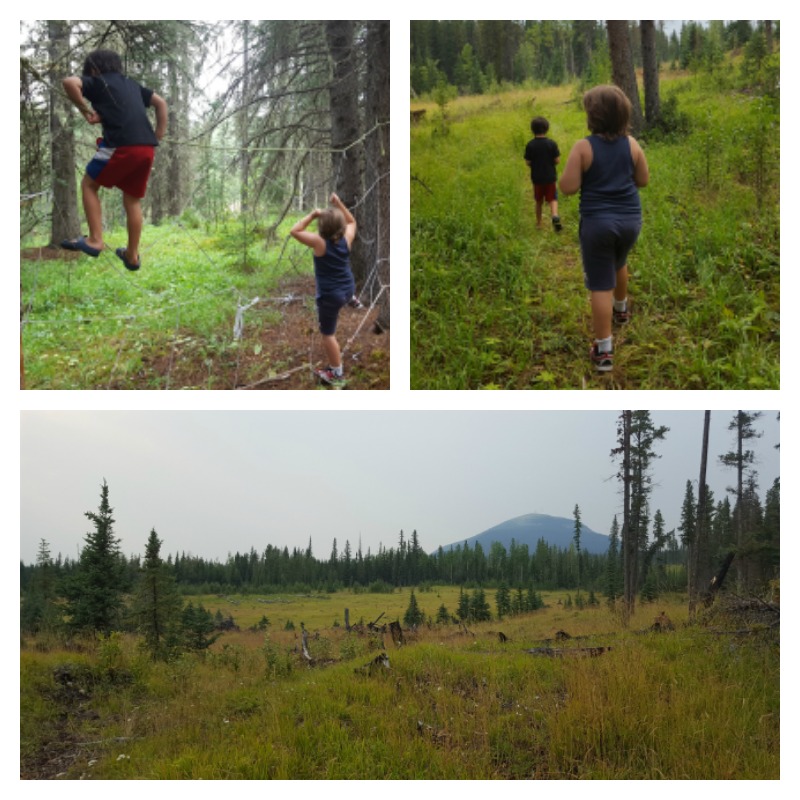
315, 213
335, 199
92, 117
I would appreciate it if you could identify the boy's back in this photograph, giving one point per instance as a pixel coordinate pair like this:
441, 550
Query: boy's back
542, 153
121, 104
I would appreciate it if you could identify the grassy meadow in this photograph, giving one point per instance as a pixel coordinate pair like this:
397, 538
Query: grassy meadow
91, 324
498, 304
693, 703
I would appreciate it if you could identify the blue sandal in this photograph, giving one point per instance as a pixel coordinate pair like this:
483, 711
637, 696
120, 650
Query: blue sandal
121, 254
80, 244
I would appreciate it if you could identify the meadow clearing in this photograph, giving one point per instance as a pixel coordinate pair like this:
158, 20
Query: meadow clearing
498, 304
701, 701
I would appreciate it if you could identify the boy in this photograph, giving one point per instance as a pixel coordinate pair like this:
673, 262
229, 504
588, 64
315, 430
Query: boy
335, 283
542, 155
608, 167
124, 155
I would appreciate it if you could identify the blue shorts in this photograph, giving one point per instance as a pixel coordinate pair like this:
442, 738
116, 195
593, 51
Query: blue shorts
328, 307
605, 244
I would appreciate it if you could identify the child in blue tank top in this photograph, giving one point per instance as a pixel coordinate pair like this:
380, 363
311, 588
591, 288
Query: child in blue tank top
334, 278
608, 168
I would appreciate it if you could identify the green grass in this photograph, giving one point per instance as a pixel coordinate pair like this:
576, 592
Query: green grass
90, 324
498, 304
688, 704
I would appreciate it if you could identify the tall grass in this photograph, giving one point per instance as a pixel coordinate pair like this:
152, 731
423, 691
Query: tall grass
497, 303
453, 705
91, 324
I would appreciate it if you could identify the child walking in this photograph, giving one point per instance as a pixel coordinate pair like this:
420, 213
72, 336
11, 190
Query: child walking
608, 167
124, 154
542, 155
334, 277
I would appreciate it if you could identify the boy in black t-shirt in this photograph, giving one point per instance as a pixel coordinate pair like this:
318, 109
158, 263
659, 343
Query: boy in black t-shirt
124, 155
542, 155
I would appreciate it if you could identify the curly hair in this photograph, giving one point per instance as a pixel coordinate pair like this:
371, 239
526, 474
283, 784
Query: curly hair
99, 62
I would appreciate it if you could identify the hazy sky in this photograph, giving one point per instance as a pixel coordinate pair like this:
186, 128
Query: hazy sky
212, 483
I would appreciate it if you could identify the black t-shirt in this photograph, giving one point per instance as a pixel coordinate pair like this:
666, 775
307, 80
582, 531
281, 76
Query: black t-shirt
542, 154
121, 104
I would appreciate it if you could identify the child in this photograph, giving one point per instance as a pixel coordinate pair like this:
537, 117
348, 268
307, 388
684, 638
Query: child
335, 283
608, 168
542, 155
124, 155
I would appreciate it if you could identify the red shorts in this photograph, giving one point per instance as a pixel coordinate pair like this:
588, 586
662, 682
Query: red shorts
127, 167
545, 191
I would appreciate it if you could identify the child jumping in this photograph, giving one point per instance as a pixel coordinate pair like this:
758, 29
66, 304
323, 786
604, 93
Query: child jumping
334, 278
542, 155
608, 168
125, 153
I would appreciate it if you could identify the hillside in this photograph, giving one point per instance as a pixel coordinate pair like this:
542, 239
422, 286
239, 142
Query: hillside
529, 528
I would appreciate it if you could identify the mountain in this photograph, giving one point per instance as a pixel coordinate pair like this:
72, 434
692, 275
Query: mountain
529, 528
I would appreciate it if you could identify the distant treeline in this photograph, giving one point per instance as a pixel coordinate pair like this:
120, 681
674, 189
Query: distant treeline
477, 55
279, 569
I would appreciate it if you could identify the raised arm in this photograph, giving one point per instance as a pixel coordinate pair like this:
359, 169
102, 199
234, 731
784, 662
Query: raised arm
309, 238
349, 219
160, 106
73, 86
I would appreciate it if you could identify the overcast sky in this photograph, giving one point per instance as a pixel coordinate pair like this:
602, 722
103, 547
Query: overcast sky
212, 483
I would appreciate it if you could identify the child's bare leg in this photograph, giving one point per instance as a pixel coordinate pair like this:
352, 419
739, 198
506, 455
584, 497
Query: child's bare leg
92, 207
602, 306
538, 213
133, 211
554, 208
331, 348
621, 289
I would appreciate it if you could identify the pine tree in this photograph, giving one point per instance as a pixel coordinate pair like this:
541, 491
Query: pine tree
94, 594
414, 615
197, 625
463, 605
503, 600
156, 606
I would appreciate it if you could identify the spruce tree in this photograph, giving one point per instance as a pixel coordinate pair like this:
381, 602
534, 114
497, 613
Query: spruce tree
503, 600
94, 593
414, 615
156, 606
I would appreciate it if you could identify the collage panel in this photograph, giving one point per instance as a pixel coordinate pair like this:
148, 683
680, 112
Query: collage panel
595, 204
205, 597
204, 204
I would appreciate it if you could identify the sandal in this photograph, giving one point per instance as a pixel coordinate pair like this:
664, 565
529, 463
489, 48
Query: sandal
80, 245
121, 254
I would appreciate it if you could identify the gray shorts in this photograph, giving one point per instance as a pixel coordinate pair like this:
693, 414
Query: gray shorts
605, 244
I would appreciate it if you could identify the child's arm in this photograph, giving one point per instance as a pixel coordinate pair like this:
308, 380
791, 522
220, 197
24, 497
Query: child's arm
641, 172
308, 238
73, 86
349, 219
160, 106
578, 162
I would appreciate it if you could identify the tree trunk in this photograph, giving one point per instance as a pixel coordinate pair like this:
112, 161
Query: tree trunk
346, 158
698, 552
64, 222
622, 71
629, 538
652, 100
376, 151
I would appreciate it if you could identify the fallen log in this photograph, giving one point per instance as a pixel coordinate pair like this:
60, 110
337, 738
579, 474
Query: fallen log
560, 652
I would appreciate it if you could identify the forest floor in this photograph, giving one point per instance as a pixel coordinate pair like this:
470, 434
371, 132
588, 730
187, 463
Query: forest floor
279, 348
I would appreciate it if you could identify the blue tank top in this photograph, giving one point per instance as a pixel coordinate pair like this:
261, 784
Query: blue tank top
332, 270
607, 187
